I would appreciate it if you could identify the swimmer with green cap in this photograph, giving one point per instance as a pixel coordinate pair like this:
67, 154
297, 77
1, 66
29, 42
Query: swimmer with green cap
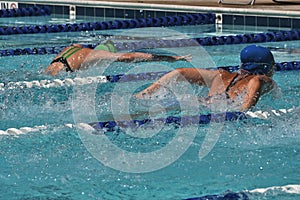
107, 46
73, 57
249, 83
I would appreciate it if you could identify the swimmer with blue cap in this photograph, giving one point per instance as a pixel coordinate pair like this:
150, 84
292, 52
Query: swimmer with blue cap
246, 85
257, 60
76, 56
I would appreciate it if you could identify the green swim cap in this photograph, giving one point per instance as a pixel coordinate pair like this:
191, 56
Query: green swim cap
107, 46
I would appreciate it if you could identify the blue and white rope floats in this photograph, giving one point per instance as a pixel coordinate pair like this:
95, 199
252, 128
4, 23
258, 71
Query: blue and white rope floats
284, 66
227, 196
187, 120
81, 81
52, 83
171, 120
246, 195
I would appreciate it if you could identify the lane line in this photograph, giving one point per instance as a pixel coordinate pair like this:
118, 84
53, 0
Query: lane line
90, 126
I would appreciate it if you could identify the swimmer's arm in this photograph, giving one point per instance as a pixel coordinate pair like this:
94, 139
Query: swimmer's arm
256, 87
96, 55
192, 75
140, 57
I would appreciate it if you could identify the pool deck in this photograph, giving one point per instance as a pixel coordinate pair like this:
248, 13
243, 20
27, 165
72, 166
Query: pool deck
260, 7
268, 5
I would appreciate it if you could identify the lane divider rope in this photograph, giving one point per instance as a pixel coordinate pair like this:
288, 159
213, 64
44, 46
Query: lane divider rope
283, 66
23, 12
246, 195
272, 36
188, 19
80, 81
52, 83
290, 189
179, 121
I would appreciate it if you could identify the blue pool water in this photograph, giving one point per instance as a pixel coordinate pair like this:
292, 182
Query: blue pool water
59, 162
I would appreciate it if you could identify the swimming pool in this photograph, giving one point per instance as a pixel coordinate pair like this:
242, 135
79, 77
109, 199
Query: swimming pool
59, 162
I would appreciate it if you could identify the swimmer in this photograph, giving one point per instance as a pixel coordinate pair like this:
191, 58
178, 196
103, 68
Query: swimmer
252, 80
73, 57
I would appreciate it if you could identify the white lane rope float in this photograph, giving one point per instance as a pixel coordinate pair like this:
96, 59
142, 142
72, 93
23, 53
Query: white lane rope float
80, 81
97, 79
246, 195
109, 125
290, 189
52, 83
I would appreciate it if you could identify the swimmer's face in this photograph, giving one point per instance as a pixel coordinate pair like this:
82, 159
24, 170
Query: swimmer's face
266, 69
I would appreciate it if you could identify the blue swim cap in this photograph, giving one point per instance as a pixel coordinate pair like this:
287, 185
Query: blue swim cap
257, 59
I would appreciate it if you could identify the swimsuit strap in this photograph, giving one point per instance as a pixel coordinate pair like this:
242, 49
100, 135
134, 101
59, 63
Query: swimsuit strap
64, 62
235, 79
67, 54
70, 52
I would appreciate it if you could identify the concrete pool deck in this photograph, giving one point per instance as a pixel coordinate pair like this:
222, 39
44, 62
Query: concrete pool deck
260, 7
259, 4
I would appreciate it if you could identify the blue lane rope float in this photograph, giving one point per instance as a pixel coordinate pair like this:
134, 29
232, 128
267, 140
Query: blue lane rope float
283, 66
180, 121
227, 196
23, 12
32, 51
171, 120
189, 19
186, 120
273, 36
118, 78
150, 44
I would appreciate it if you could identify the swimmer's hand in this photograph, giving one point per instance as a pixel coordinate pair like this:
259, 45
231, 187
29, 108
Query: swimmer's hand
54, 68
187, 58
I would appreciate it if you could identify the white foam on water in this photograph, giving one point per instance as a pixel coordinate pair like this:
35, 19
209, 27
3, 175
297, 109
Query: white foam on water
289, 189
